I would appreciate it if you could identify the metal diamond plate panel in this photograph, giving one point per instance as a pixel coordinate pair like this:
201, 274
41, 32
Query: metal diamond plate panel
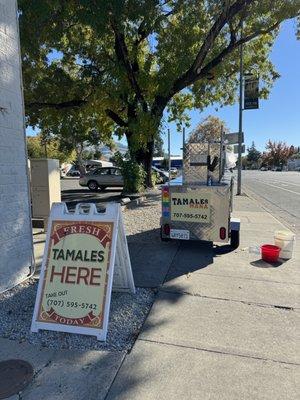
195, 165
219, 212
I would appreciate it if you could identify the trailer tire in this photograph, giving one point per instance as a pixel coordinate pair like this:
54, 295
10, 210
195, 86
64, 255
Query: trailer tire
163, 239
235, 239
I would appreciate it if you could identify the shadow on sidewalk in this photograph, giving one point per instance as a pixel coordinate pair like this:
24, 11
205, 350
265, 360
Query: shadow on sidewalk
155, 262
263, 264
73, 196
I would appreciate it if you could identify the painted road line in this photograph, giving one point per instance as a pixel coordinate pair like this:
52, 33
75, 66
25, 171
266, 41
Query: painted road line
279, 187
281, 183
288, 183
278, 182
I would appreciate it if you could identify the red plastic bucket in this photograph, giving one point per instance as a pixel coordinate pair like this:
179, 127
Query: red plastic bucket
270, 253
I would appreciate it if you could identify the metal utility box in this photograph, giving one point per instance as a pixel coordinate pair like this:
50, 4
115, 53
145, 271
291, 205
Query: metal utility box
45, 186
198, 205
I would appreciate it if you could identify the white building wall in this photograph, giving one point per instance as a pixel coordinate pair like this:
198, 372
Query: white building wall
293, 164
15, 220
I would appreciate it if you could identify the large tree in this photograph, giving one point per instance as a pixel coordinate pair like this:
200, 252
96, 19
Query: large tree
277, 153
130, 60
209, 129
253, 155
38, 147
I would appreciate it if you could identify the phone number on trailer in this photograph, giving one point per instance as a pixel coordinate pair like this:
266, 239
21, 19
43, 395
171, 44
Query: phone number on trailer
71, 304
189, 215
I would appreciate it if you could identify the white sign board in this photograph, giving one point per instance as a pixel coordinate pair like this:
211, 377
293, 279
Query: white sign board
197, 160
233, 138
85, 253
236, 149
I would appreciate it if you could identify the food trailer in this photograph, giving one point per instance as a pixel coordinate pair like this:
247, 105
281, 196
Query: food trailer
198, 204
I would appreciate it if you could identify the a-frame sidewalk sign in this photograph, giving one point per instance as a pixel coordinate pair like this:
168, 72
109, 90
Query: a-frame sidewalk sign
86, 257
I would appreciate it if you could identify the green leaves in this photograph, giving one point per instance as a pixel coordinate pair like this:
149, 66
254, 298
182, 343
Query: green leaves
117, 65
132, 172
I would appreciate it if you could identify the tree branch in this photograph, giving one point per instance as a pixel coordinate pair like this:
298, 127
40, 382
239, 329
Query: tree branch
227, 15
115, 117
123, 57
57, 106
143, 32
232, 32
232, 46
161, 101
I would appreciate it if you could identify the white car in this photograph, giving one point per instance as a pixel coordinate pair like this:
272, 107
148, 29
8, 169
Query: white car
101, 178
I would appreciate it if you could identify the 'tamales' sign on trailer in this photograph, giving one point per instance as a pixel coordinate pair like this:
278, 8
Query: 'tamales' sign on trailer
193, 206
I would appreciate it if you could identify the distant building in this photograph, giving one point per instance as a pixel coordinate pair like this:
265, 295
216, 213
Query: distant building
107, 152
293, 164
176, 161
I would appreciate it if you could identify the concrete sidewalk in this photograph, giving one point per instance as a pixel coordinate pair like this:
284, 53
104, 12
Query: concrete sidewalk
220, 328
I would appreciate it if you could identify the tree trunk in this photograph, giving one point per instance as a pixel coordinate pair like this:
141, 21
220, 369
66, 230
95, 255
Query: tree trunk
145, 157
81, 166
142, 156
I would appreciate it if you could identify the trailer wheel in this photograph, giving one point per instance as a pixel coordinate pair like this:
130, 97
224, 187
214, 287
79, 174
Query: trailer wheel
163, 239
235, 239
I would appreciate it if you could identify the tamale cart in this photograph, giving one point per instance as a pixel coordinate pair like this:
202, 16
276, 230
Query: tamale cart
198, 204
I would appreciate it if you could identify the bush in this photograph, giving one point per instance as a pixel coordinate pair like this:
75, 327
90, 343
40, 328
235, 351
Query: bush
155, 177
132, 172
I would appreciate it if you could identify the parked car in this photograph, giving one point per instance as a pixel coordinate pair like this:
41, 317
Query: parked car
73, 172
278, 169
164, 176
101, 178
264, 169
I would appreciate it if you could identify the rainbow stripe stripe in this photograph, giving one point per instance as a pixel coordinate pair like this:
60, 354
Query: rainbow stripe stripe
165, 202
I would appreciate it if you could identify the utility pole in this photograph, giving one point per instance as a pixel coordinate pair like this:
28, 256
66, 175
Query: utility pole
239, 181
169, 154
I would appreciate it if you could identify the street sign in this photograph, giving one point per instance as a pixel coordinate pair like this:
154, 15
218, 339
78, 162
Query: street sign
251, 91
197, 160
86, 253
236, 149
232, 138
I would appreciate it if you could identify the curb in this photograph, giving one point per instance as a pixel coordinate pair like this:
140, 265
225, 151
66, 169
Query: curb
131, 204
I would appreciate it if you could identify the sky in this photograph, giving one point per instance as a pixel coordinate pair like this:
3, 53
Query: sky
277, 118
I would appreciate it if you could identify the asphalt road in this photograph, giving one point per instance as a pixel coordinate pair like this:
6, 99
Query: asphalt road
277, 191
72, 193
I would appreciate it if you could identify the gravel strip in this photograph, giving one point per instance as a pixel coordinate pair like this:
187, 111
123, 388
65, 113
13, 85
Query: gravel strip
142, 223
127, 315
